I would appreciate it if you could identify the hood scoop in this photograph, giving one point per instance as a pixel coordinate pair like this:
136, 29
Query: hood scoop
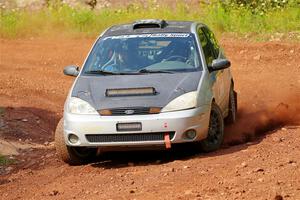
123, 92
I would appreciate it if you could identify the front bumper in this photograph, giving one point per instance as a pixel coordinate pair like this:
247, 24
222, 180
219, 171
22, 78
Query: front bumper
177, 122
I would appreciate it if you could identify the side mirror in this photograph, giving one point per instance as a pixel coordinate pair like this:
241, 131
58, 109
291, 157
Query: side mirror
71, 70
219, 64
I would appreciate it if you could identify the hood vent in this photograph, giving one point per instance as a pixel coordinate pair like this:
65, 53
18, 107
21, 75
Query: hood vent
146, 91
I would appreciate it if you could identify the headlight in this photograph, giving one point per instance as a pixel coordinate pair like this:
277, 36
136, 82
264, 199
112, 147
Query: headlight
183, 102
79, 106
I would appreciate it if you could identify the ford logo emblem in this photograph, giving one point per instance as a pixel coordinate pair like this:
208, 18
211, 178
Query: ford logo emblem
129, 112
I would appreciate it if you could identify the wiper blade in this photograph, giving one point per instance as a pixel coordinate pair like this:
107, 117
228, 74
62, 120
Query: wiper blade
155, 71
100, 71
107, 72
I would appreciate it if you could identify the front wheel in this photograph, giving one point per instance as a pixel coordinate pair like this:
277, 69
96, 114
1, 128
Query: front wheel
71, 155
215, 130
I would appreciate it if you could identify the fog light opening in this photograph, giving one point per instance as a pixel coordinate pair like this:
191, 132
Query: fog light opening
73, 138
190, 134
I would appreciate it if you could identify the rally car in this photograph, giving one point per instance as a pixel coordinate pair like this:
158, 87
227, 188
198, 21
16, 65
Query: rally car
148, 84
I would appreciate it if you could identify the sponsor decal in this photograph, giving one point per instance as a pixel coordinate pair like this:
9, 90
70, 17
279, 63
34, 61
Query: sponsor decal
153, 35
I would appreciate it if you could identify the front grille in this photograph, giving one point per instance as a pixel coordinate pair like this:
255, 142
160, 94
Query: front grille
130, 111
135, 137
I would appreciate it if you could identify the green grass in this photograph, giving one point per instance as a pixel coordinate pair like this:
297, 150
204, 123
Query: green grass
5, 161
64, 20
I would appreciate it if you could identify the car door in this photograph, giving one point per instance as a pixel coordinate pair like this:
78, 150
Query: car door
224, 81
209, 56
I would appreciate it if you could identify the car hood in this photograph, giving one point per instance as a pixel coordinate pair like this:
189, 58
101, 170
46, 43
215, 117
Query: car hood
167, 86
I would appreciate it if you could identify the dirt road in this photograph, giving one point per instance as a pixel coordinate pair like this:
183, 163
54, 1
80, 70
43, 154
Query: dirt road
259, 159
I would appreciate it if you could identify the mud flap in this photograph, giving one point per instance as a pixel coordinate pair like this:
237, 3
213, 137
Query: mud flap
167, 141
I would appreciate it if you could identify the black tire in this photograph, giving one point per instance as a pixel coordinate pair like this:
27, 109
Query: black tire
232, 107
215, 130
71, 155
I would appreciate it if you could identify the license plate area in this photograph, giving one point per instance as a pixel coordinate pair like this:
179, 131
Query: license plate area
132, 126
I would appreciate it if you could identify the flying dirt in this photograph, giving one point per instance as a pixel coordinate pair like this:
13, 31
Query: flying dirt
257, 122
259, 158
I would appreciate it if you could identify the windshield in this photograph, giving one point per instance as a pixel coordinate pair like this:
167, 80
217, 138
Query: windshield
144, 53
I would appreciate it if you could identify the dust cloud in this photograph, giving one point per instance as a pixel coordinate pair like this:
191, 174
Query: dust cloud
252, 123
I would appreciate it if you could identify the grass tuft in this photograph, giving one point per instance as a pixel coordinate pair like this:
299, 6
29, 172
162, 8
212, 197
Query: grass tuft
4, 161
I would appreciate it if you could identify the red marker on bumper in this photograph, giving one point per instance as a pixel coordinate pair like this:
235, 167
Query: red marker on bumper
167, 141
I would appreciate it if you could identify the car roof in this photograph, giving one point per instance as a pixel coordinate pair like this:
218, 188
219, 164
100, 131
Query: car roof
150, 26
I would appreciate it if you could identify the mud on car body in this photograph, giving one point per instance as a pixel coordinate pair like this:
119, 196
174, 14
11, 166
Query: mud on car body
148, 84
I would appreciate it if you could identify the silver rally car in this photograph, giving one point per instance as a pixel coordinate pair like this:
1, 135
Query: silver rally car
148, 84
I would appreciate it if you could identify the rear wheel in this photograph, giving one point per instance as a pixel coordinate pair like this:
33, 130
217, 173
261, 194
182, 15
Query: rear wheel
215, 130
71, 155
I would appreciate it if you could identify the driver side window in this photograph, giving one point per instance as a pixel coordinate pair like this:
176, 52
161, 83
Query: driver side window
207, 47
